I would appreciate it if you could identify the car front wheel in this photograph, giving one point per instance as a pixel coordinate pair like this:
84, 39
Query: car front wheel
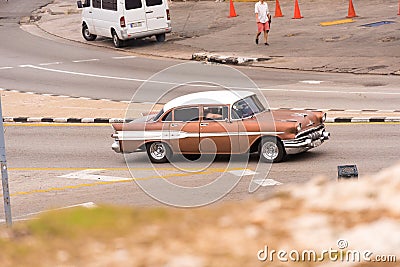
271, 149
158, 152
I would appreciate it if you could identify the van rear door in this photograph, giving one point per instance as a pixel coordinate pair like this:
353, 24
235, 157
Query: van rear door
156, 14
135, 16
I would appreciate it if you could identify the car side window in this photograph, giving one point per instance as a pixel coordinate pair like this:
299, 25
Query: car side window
133, 4
167, 117
215, 113
186, 114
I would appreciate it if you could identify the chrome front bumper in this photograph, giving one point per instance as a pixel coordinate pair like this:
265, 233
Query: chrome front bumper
306, 141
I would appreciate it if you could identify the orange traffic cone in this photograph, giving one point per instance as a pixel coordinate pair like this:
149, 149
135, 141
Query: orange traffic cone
297, 14
278, 11
232, 12
352, 12
399, 9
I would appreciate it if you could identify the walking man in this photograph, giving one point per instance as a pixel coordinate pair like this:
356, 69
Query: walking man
263, 18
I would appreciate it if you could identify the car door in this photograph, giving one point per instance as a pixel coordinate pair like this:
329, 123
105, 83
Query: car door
184, 130
135, 16
217, 133
156, 14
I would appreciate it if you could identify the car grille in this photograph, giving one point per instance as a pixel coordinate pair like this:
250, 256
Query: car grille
313, 133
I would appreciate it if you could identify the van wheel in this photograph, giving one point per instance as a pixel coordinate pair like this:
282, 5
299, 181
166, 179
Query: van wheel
160, 37
117, 42
86, 34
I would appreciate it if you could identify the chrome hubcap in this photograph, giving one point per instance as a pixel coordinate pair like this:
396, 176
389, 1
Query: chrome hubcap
270, 150
157, 151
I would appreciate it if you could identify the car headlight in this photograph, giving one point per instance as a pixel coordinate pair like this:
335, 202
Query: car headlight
298, 127
323, 119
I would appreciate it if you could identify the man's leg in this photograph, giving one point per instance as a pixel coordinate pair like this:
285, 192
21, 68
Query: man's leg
266, 37
257, 35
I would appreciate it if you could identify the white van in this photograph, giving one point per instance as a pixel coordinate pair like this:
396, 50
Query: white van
125, 19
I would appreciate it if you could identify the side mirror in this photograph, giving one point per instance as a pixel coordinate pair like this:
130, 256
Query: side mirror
79, 3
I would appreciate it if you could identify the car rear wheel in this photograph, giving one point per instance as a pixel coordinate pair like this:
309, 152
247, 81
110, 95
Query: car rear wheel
158, 152
86, 34
117, 42
271, 149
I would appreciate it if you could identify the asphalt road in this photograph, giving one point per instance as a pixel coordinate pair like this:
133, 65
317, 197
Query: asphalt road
34, 64
39, 155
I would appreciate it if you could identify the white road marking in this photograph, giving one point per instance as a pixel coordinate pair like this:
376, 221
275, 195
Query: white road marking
5, 68
312, 82
209, 86
50, 63
244, 172
266, 182
87, 175
86, 60
88, 205
124, 57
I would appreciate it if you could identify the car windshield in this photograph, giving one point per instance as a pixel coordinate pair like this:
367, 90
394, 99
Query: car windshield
247, 107
158, 115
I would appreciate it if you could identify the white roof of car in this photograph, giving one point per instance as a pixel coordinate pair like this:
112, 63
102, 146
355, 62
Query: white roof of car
208, 98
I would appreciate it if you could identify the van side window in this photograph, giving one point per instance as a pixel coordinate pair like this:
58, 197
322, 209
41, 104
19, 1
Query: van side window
110, 4
97, 3
132, 4
153, 2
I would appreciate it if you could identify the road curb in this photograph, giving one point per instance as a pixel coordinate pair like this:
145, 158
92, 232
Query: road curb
122, 120
232, 60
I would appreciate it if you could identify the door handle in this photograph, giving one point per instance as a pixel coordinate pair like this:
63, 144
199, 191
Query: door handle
90, 12
203, 124
148, 12
174, 124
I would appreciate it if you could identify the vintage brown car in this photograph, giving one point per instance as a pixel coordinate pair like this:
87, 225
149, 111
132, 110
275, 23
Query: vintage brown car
221, 122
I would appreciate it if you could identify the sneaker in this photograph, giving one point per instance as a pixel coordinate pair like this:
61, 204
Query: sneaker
256, 41
266, 43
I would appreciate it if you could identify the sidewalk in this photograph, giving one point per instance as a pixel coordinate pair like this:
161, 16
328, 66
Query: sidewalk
298, 44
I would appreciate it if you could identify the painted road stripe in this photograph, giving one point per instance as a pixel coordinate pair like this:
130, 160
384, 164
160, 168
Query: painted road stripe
50, 63
266, 182
124, 57
241, 173
336, 22
88, 175
312, 82
85, 60
208, 86
6, 68
55, 189
118, 169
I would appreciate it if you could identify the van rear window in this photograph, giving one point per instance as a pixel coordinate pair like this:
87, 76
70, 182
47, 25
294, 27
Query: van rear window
132, 4
153, 2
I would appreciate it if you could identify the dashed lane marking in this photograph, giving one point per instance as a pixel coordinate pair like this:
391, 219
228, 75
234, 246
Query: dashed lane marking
124, 57
50, 63
312, 82
5, 68
266, 182
85, 60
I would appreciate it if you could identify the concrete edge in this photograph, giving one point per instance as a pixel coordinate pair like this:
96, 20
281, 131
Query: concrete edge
122, 120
